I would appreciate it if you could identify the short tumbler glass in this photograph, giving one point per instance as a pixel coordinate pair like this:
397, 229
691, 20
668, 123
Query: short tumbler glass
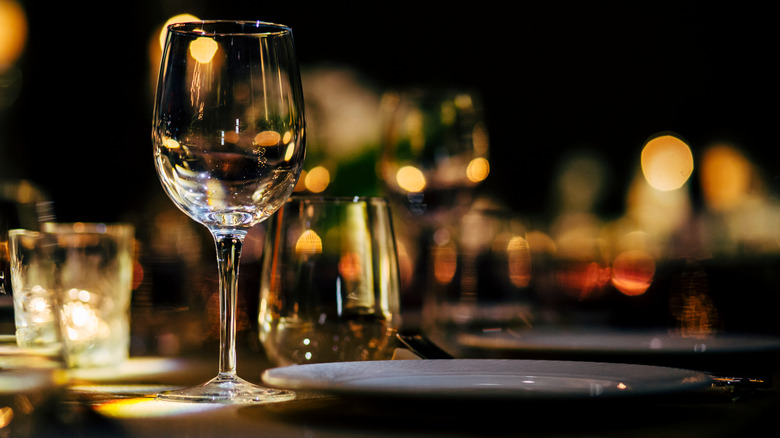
330, 283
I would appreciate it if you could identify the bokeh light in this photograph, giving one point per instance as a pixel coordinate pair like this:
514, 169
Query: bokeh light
478, 169
13, 32
411, 179
725, 175
667, 162
317, 179
180, 18
633, 272
203, 49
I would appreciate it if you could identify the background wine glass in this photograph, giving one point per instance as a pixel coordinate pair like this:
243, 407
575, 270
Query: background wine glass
434, 154
228, 134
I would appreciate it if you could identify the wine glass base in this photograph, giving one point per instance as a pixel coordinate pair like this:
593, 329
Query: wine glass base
227, 390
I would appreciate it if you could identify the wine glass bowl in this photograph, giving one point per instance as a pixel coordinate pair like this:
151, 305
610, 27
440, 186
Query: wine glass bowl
434, 151
229, 142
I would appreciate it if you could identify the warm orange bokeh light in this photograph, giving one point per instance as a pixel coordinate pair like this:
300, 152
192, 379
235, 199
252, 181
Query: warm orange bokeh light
309, 243
317, 179
203, 49
181, 18
478, 169
519, 259
445, 264
725, 176
667, 162
632, 272
410, 179
13, 32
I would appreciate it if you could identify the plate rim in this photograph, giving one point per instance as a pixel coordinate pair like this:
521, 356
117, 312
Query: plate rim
293, 377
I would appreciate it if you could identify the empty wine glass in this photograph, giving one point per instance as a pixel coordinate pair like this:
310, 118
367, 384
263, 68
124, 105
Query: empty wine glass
228, 134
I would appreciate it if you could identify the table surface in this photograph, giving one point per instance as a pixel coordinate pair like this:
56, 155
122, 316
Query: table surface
120, 403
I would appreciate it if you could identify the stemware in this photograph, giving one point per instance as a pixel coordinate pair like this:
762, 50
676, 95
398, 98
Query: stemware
434, 154
228, 134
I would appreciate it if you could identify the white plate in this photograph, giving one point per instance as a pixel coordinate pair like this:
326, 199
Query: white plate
485, 379
618, 342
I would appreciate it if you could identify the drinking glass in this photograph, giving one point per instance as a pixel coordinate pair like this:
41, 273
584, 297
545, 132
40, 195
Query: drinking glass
228, 135
434, 155
329, 286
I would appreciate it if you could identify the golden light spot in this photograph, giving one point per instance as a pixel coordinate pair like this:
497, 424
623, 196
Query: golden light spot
13, 32
231, 137
667, 162
287, 137
519, 260
478, 169
725, 177
172, 144
6, 416
288, 153
317, 179
632, 272
267, 138
181, 18
309, 243
410, 179
203, 49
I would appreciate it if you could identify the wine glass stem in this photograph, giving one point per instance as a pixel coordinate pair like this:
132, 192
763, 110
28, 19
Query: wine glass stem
228, 257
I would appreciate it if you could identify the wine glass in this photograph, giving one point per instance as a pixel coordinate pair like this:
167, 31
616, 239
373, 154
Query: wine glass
434, 154
228, 134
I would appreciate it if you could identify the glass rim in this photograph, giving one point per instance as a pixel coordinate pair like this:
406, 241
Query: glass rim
232, 27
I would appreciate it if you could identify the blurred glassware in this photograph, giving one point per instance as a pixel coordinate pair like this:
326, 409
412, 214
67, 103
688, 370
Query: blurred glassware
32, 275
329, 285
22, 205
72, 285
434, 153
481, 277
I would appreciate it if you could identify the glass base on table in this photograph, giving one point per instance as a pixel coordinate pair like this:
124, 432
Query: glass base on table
228, 390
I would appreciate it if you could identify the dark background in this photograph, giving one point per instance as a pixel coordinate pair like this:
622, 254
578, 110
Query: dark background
555, 77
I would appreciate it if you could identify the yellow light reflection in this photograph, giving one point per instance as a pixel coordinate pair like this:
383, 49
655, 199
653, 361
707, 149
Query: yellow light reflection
667, 162
410, 179
6, 416
268, 138
633, 272
308, 243
317, 179
172, 144
13, 32
725, 176
145, 407
519, 259
203, 49
288, 153
181, 18
478, 169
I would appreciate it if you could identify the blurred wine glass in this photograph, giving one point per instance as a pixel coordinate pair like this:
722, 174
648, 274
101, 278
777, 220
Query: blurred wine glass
434, 153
